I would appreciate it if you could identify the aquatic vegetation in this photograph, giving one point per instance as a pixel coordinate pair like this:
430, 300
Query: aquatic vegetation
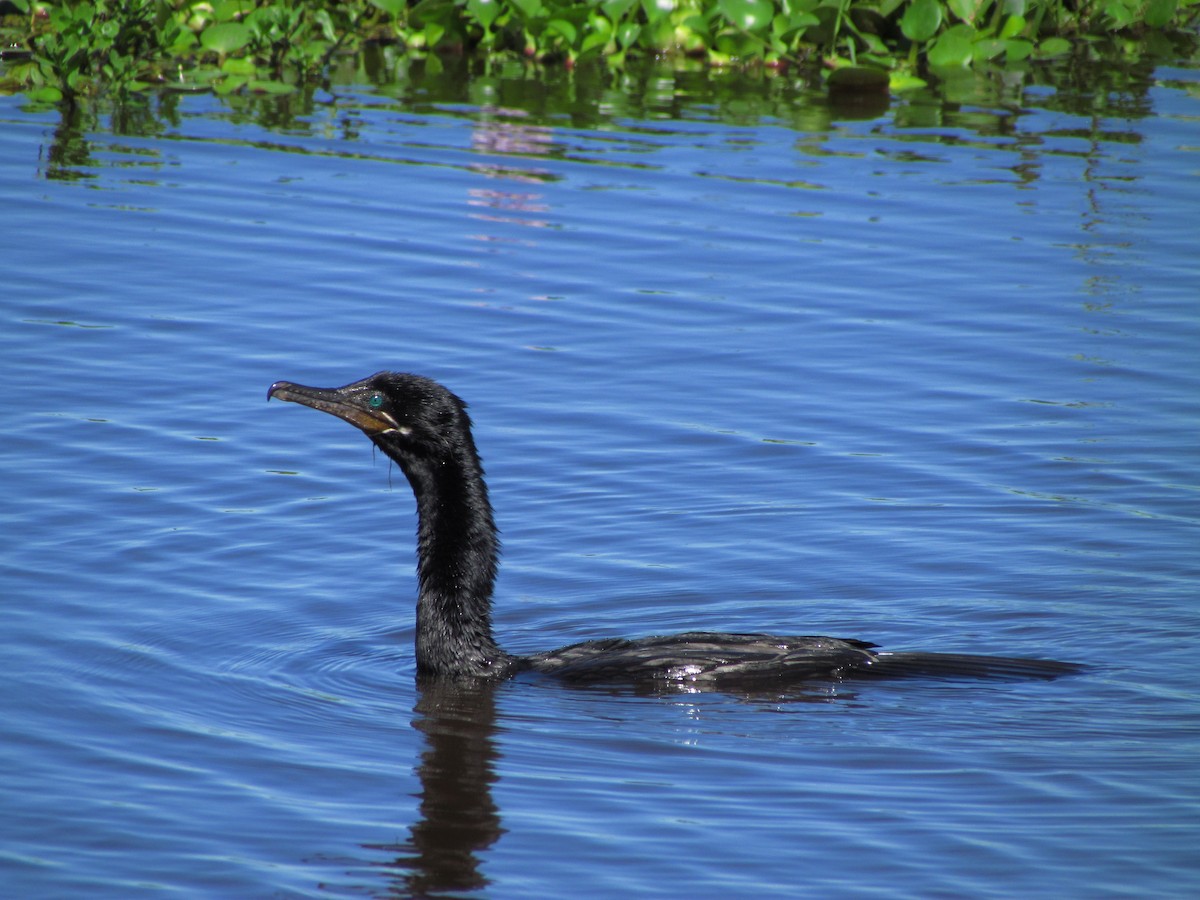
56, 50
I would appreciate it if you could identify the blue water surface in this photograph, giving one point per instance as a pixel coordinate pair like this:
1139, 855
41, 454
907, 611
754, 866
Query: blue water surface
738, 360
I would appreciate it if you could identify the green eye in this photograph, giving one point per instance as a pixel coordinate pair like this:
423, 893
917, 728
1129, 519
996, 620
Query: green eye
375, 401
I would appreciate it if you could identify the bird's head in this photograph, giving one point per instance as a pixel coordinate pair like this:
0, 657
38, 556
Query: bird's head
408, 416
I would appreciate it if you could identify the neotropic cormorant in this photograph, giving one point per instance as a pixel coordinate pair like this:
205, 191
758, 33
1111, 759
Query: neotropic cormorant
426, 430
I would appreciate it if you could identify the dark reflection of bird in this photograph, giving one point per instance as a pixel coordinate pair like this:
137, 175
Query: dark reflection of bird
426, 430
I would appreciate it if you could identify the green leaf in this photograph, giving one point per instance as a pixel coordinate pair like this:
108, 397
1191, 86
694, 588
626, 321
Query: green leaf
905, 81
529, 9
1119, 13
563, 27
184, 42
229, 10
599, 33
484, 11
392, 7
270, 87
616, 9
627, 34
1054, 46
45, 94
328, 30
239, 67
921, 20
433, 33
1159, 13
966, 10
205, 74
1013, 26
874, 45
186, 87
656, 9
749, 15
225, 38
1016, 49
229, 85
952, 48
987, 48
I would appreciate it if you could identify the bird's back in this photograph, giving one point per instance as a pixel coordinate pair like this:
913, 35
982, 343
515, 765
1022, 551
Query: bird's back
703, 657
708, 659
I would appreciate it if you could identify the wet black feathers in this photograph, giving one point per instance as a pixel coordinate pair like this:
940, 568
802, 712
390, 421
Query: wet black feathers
425, 428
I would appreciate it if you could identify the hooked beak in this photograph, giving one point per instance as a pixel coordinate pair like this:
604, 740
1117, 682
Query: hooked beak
345, 402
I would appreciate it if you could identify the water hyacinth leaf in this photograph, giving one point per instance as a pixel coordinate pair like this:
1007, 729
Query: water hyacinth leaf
484, 11
1122, 16
656, 9
988, 48
1016, 49
229, 85
954, 47
433, 33
564, 28
225, 38
529, 9
45, 94
693, 35
238, 67
966, 10
599, 33
799, 7
905, 81
874, 45
325, 21
802, 20
627, 33
749, 15
392, 7
616, 9
80, 48
185, 41
206, 74
921, 20
269, 87
1119, 13
1013, 26
1160, 12
230, 10
185, 87
1053, 47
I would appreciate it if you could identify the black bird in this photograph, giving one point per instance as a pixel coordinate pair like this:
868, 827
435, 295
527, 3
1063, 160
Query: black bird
426, 430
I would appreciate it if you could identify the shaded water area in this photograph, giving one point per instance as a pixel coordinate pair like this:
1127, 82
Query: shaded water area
922, 372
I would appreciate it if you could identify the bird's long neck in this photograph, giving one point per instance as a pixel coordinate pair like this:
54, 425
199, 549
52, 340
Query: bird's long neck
457, 551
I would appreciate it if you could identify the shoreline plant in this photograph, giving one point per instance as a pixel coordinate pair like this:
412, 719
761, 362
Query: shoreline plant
55, 51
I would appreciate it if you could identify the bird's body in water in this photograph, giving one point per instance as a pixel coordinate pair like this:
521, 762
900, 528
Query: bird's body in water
425, 429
